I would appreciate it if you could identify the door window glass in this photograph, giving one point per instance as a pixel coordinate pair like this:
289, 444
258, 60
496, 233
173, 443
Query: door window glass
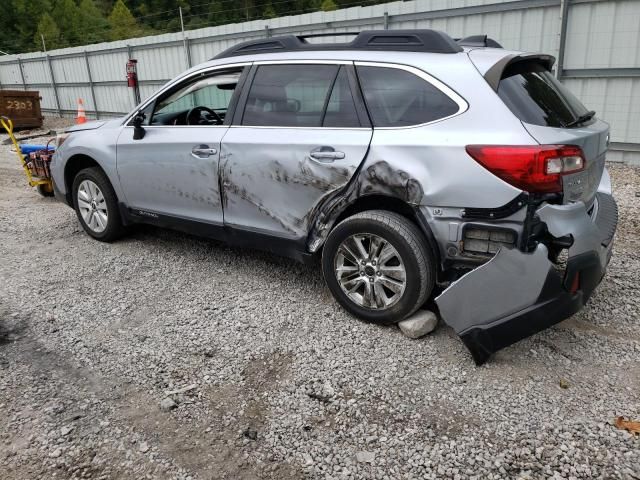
289, 95
341, 109
202, 101
397, 98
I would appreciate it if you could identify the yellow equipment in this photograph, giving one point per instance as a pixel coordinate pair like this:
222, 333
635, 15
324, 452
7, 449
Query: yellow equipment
39, 178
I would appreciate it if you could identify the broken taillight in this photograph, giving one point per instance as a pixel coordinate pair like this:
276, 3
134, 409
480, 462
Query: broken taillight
533, 168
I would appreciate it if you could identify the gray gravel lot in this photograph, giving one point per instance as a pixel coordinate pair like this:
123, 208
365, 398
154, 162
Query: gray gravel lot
274, 380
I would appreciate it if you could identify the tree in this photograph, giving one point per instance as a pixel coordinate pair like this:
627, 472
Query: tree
48, 29
123, 24
269, 11
328, 5
67, 17
93, 26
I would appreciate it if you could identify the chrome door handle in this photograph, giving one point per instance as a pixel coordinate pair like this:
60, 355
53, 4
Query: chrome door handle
203, 151
326, 156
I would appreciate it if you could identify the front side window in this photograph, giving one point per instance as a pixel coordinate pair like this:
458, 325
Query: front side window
202, 101
397, 98
300, 96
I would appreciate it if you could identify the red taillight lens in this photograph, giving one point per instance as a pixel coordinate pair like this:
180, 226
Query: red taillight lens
533, 168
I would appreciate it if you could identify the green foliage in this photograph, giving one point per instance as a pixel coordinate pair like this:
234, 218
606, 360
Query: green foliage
269, 11
65, 23
48, 30
328, 5
123, 24
93, 25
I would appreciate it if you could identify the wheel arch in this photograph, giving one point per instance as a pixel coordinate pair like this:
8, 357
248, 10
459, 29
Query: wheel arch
74, 165
391, 204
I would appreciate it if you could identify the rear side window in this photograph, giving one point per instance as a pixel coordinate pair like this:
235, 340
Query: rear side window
341, 109
397, 98
300, 96
535, 96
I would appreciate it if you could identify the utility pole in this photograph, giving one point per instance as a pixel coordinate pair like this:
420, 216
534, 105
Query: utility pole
44, 45
187, 55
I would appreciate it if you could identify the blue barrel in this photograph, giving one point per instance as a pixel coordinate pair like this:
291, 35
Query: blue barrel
27, 149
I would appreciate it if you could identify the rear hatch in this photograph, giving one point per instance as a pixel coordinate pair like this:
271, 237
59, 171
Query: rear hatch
553, 115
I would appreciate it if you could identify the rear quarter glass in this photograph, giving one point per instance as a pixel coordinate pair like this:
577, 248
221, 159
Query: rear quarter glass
535, 96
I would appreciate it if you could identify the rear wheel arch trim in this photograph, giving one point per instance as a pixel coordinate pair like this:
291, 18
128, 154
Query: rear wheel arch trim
388, 203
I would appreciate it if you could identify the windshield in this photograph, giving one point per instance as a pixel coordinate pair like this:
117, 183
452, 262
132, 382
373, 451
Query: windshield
535, 96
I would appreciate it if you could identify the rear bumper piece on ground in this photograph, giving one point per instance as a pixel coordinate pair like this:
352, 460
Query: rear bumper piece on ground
517, 294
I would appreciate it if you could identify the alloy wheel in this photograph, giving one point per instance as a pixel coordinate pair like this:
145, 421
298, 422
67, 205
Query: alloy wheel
370, 271
92, 206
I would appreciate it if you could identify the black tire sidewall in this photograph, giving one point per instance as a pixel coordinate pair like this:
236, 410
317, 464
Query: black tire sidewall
113, 222
411, 295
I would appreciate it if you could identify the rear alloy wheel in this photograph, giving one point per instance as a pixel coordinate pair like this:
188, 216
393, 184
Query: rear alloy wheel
378, 266
96, 205
370, 271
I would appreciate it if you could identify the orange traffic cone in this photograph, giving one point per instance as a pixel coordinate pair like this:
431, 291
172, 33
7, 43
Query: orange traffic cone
82, 116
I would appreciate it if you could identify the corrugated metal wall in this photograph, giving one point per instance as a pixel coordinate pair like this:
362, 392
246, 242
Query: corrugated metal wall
598, 52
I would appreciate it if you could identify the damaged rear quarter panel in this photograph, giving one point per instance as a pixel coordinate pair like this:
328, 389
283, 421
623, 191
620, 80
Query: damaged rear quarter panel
426, 165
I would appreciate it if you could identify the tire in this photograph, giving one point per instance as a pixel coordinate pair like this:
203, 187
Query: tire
98, 205
45, 190
411, 255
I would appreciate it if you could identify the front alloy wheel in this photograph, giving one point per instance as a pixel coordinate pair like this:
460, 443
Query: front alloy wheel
93, 206
96, 205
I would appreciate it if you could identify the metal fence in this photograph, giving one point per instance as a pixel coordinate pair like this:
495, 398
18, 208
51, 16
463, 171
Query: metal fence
596, 43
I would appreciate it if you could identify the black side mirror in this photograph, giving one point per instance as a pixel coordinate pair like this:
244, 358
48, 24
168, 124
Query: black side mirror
138, 131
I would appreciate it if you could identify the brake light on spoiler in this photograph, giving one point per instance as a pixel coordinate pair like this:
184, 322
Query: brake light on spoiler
533, 168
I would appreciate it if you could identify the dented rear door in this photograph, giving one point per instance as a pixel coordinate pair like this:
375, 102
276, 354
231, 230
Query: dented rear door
300, 138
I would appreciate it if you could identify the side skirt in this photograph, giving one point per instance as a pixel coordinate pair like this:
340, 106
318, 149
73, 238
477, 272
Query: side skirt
285, 247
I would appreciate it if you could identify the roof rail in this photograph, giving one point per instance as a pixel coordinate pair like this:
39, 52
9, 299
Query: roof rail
431, 41
478, 41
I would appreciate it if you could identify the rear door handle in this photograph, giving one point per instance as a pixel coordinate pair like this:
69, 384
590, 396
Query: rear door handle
203, 151
326, 156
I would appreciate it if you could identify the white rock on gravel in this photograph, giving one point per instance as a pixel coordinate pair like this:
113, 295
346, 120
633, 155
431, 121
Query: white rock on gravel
167, 404
419, 324
365, 457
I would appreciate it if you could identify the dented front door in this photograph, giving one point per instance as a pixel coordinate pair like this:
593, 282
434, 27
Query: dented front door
272, 178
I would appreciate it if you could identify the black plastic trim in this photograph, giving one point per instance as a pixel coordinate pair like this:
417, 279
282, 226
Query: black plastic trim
421, 40
607, 217
497, 213
286, 247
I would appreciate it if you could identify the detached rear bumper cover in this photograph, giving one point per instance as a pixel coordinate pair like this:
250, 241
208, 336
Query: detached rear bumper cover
518, 294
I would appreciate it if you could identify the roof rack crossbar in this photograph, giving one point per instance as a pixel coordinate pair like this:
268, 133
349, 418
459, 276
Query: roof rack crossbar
431, 41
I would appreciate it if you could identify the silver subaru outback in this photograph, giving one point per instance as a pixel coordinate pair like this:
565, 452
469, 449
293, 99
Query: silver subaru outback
416, 167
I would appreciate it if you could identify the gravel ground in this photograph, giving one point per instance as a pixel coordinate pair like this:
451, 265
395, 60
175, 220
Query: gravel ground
169, 356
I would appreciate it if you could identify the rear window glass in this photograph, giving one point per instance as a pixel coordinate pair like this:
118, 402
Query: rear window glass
535, 96
397, 98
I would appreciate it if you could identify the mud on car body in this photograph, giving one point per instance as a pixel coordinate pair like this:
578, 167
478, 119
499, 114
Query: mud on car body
417, 167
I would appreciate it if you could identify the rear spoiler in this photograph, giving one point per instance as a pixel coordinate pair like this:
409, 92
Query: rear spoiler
494, 74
